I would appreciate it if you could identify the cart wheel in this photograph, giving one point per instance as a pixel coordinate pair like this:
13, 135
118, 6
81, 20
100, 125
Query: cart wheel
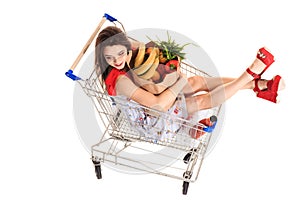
185, 187
187, 157
98, 169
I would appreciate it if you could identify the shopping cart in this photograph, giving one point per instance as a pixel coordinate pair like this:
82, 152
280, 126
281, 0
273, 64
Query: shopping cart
173, 154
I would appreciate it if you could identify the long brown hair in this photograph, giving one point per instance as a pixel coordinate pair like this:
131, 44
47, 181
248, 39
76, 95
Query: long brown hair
109, 36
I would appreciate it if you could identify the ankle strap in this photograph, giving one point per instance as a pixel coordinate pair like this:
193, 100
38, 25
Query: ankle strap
256, 88
254, 75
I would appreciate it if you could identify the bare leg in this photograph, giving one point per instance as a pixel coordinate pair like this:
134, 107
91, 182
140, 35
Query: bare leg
200, 83
221, 92
206, 84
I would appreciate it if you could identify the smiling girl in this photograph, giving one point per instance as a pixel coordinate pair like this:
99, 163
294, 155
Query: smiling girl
114, 58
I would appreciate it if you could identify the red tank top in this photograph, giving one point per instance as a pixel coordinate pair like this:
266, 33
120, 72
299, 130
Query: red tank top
111, 80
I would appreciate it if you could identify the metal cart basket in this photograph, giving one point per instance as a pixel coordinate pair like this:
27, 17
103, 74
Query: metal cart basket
178, 155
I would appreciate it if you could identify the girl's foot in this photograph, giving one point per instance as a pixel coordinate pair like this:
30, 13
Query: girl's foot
256, 68
263, 84
262, 62
268, 89
266, 57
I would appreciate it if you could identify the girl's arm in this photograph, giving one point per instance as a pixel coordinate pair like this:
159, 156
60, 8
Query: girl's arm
161, 102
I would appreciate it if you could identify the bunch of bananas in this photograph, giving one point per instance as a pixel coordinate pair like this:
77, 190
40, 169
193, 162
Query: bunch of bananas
146, 69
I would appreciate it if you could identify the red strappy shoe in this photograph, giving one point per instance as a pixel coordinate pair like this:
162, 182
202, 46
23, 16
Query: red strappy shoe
266, 57
270, 93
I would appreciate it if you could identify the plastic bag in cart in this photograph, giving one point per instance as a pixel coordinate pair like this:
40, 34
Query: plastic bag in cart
152, 127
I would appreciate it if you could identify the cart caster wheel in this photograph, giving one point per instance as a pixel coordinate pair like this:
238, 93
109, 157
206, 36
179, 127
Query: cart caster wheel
98, 169
185, 187
187, 157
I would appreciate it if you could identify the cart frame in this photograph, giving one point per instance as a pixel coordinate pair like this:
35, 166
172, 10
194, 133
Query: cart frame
119, 134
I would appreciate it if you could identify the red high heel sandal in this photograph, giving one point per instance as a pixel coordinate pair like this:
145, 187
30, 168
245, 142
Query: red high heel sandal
266, 57
270, 93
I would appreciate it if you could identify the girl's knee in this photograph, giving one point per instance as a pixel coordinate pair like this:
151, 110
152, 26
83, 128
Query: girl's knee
195, 80
204, 101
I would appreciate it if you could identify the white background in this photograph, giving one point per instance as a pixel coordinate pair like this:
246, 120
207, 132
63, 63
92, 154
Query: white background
257, 156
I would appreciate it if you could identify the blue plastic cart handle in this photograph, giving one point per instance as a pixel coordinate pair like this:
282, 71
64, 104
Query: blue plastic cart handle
210, 129
70, 74
110, 18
